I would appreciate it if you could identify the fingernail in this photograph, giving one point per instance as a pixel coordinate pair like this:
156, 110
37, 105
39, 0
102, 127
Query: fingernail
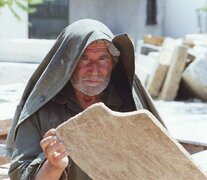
54, 137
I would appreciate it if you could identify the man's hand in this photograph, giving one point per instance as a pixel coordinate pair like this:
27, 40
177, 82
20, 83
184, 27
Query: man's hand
56, 155
54, 150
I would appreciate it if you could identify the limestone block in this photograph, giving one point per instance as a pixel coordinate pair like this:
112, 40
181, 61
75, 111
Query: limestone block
134, 145
186, 121
157, 80
195, 77
4, 126
164, 60
197, 39
7, 111
3, 158
145, 67
143, 48
172, 81
4, 172
24, 50
16, 72
201, 159
155, 40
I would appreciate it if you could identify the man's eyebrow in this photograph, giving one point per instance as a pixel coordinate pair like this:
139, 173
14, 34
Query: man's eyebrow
105, 55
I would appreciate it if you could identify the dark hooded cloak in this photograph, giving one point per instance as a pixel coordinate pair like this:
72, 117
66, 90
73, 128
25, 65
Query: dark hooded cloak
49, 89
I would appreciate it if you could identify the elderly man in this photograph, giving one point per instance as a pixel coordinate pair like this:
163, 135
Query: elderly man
86, 65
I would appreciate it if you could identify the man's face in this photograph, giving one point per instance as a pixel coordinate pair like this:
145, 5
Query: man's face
92, 73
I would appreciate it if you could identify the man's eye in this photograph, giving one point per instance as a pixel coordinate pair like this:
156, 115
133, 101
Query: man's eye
104, 58
84, 61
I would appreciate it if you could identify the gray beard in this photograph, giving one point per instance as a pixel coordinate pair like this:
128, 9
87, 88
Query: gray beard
91, 90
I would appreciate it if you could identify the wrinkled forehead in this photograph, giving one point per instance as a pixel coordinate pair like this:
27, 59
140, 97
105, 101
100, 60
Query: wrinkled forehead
97, 46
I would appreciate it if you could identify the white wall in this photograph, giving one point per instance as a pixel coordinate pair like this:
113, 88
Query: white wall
120, 16
10, 26
180, 17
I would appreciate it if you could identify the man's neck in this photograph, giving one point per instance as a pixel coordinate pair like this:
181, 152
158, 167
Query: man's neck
84, 100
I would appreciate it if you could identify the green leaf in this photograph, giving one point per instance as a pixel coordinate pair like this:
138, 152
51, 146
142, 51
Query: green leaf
14, 13
2, 3
25, 7
35, 2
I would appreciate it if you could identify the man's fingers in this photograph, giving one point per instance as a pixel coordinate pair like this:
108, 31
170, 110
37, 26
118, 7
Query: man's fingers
55, 148
47, 141
51, 132
60, 156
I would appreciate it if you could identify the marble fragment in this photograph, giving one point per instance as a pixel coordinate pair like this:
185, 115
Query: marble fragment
134, 145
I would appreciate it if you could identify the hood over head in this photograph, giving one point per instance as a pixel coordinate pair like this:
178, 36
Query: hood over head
57, 67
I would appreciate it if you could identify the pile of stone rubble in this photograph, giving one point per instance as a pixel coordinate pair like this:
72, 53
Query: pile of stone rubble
172, 68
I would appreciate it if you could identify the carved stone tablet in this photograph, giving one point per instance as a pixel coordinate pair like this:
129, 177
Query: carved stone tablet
112, 145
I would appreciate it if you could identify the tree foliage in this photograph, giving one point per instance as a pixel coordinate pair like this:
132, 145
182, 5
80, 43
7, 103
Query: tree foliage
25, 5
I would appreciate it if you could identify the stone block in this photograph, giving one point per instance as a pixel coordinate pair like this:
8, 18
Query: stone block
164, 60
24, 50
195, 78
155, 40
145, 67
13, 73
4, 169
201, 159
172, 81
134, 145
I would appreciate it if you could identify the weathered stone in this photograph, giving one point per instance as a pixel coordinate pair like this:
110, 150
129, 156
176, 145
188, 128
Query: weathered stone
143, 48
164, 60
195, 77
172, 81
197, 39
13, 73
7, 111
201, 159
112, 145
4, 126
155, 40
186, 121
3, 158
24, 50
145, 67
157, 80
4, 172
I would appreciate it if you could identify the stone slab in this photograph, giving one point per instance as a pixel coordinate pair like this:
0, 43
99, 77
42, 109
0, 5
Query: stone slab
195, 78
145, 67
172, 81
112, 145
201, 159
7, 111
186, 121
3, 158
13, 73
4, 172
24, 50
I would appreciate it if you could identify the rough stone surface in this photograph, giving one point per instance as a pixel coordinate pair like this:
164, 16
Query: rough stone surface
186, 121
13, 73
195, 77
172, 81
4, 172
3, 158
164, 60
157, 80
145, 67
113, 145
24, 50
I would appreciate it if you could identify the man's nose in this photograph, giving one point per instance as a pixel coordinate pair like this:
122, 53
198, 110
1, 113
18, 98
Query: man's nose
94, 68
